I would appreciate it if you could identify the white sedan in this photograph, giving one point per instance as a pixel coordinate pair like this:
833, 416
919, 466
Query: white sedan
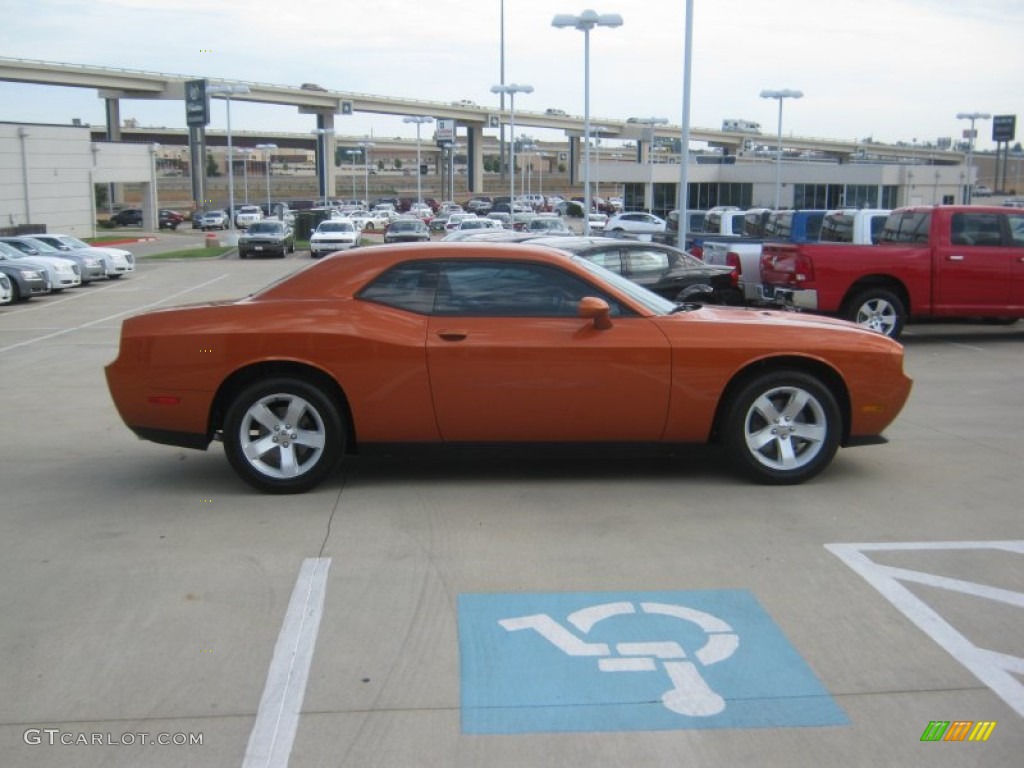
62, 273
116, 261
248, 214
373, 220
635, 223
333, 235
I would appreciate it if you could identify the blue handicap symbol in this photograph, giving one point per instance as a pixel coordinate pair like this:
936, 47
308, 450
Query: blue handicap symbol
625, 661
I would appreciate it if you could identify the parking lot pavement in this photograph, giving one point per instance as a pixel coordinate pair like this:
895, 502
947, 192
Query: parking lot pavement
474, 608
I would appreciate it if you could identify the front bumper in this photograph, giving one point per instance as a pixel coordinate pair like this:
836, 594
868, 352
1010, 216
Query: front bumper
262, 249
322, 247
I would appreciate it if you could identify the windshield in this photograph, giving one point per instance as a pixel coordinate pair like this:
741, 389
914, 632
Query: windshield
74, 242
266, 228
42, 247
402, 226
336, 226
649, 300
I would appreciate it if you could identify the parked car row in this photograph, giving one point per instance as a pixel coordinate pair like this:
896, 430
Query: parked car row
50, 263
132, 217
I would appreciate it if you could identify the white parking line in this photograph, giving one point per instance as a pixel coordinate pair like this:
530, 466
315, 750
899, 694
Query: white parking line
28, 342
277, 720
54, 302
994, 669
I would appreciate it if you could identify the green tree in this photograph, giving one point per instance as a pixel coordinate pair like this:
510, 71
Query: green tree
211, 165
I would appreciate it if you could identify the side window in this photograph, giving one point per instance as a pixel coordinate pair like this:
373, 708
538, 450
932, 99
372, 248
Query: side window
409, 286
1016, 222
907, 228
608, 259
975, 229
511, 289
644, 262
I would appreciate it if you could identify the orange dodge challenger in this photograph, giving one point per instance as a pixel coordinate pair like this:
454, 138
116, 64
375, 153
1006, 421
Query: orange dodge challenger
495, 343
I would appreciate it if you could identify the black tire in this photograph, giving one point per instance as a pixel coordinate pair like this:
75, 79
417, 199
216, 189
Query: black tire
699, 293
782, 428
316, 439
877, 309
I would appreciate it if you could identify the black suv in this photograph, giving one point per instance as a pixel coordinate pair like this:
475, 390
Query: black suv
129, 217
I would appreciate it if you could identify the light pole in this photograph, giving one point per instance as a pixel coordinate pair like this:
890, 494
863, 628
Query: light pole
780, 95
325, 132
972, 116
650, 122
598, 129
266, 148
511, 89
585, 22
352, 155
245, 152
419, 120
227, 91
684, 136
366, 144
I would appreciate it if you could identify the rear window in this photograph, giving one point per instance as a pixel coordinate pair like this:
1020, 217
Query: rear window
910, 227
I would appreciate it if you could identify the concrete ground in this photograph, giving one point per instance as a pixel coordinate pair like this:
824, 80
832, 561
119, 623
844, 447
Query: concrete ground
146, 590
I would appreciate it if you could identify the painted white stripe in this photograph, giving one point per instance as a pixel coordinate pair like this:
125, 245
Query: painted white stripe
277, 720
994, 670
626, 665
50, 302
91, 323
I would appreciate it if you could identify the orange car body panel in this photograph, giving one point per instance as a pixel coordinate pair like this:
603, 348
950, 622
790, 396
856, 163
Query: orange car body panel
416, 378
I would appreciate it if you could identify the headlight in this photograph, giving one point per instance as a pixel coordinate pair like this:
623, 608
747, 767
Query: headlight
91, 263
30, 274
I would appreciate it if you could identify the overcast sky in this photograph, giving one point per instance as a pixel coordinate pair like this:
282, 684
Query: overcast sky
895, 70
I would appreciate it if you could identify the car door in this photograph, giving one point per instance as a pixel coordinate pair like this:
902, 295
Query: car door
1015, 226
510, 359
973, 269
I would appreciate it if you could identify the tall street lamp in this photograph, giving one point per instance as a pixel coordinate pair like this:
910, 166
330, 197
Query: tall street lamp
324, 133
419, 120
512, 89
972, 116
650, 122
352, 155
267, 148
780, 95
245, 152
227, 91
585, 22
366, 144
598, 130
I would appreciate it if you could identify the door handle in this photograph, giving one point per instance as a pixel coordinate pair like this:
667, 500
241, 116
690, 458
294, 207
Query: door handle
452, 334
955, 257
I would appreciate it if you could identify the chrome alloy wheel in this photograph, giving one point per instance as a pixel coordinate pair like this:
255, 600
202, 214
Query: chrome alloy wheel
282, 435
877, 314
785, 428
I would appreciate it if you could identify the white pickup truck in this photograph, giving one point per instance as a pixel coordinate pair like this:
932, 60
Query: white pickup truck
848, 225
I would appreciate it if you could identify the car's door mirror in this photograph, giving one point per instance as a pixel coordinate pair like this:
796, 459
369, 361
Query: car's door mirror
597, 310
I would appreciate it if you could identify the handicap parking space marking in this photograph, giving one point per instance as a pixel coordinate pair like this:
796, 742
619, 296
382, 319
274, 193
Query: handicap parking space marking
999, 671
631, 661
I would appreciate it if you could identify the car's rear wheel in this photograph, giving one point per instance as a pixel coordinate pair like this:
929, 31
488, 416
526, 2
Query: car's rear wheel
782, 427
284, 435
877, 309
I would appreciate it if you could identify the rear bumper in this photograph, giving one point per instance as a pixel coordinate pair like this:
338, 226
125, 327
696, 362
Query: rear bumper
788, 297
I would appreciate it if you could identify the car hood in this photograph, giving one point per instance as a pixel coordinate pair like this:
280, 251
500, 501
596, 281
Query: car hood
772, 322
112, 252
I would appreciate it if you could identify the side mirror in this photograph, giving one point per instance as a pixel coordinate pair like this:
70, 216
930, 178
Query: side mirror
593, 308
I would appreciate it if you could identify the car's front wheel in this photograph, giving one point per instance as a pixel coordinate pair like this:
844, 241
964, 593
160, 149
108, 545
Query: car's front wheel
283, 435
782, 427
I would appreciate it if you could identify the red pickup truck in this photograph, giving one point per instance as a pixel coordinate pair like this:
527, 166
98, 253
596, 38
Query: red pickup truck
933, 261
